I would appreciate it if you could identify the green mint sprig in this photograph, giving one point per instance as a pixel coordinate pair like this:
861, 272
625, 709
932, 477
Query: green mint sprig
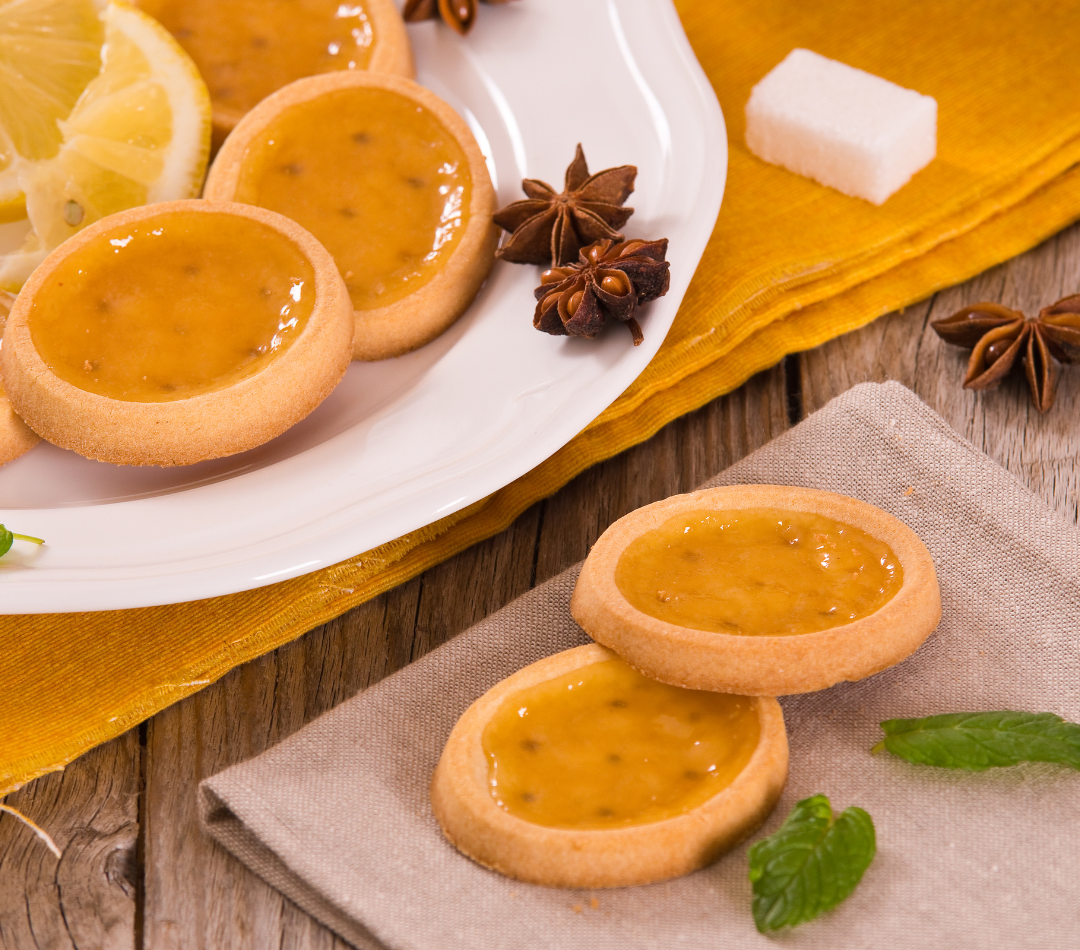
7, 538
811, 864
986, 740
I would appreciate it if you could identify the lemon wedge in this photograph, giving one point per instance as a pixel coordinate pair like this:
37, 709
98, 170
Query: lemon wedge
100, 110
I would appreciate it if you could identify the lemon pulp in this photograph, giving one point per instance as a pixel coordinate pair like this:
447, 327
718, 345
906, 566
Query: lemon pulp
758, 571
246, 49
605, 747
49, 52
172, 306
128, 121
375, 177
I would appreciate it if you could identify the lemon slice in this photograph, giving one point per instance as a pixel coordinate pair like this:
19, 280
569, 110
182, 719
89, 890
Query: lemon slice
100, 110
49, 52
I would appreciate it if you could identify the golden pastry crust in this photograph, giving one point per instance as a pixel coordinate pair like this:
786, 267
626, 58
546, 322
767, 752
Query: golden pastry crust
391, 53
617, 857
432, 308
208, 425
759, 665
16, 437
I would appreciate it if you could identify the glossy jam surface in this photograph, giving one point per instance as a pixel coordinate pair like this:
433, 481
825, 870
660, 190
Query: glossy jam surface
605, 747
173, 306
758, 571
375, 177
247, 49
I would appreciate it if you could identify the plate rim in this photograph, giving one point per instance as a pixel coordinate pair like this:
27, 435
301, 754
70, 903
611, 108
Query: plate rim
30, 591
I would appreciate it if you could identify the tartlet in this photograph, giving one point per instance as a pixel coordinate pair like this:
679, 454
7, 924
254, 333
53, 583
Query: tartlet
247, 49
16, 437
633, 853
741, 662
390, 179
177, 332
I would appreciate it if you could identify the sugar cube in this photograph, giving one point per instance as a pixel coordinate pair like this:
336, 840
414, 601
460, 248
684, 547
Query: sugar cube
841, 126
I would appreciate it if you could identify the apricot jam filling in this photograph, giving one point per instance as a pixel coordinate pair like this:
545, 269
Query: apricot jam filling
605, 747
758, 571
172, 306
246, 49
375, 177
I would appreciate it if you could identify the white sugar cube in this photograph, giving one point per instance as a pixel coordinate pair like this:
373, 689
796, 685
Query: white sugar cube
841, 126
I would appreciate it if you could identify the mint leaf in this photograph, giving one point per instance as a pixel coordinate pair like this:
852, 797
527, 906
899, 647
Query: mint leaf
986, 740
811, 864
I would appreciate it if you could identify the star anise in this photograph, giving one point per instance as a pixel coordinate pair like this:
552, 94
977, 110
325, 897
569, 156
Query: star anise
1000, 336
609, 280
460, 14
550, 228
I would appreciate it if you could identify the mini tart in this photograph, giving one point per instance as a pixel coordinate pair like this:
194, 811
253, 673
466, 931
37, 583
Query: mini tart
247, 49
327, 133
630, 854
189, 409
16, 437
759, 665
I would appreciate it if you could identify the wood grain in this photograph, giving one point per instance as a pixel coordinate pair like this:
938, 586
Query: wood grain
89, 897
198, 895
1041, 450
136, 872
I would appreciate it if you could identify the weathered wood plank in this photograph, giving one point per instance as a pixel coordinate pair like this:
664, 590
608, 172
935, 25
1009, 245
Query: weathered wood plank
1041, 450
87, 899
197, 895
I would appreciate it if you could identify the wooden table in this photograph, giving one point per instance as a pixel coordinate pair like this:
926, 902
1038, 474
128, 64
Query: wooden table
137, 873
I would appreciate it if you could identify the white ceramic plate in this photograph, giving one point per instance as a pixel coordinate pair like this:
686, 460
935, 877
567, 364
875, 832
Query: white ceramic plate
403, 443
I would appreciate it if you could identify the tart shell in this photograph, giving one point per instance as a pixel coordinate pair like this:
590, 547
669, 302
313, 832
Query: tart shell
616, 857
392, 54
204, 426
759, 665
431, 309
16, 437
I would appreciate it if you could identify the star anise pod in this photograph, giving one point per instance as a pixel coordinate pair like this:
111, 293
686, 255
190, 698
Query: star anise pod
1000, 336
550, 228
609, 280
460, 14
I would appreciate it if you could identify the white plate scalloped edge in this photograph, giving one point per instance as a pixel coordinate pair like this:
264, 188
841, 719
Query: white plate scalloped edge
403, 443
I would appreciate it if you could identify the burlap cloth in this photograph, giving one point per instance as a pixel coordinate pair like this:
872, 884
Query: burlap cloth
337, 816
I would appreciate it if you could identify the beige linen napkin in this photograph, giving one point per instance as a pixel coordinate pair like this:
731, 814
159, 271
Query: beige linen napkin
337, 816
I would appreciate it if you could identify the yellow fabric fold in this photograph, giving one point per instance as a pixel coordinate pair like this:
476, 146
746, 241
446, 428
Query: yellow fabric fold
790, 265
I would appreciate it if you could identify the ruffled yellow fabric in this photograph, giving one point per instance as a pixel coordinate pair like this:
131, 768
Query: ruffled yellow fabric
790, 264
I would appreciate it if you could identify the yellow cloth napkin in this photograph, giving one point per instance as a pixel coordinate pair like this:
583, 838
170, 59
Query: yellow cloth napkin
790, 264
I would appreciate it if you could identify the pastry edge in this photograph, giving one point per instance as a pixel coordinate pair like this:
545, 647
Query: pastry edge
759, 665
184, 431
16, 437
618, 857
433, 308
392, 55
